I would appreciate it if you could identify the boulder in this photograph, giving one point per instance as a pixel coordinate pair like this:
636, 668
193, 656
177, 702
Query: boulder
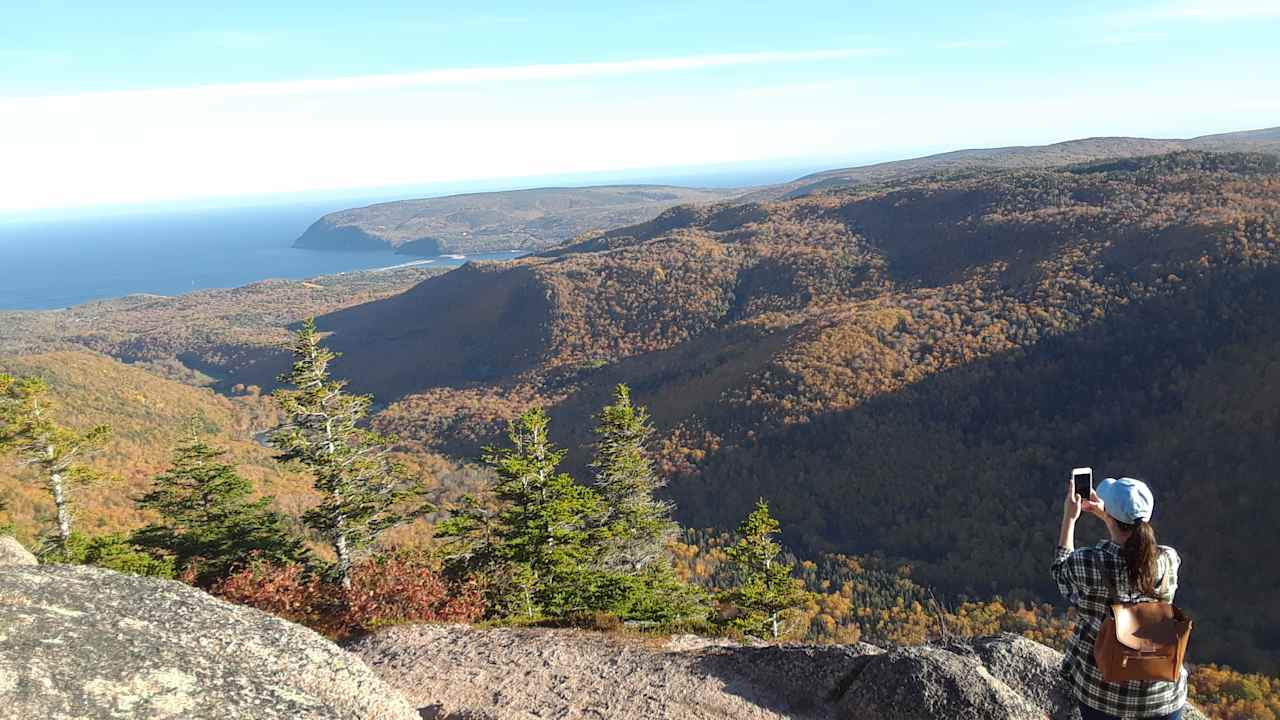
13, 553
86, 643
1029, 668
924, 683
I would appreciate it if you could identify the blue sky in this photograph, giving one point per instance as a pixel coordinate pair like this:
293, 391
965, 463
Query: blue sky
155, 102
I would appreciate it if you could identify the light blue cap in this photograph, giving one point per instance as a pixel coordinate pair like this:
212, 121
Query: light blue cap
1126, 499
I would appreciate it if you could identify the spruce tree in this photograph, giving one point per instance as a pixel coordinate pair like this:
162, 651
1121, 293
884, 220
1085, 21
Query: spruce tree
112, 551
767, 590
534, 547
635, 526
209, 522
53, 451
364, 491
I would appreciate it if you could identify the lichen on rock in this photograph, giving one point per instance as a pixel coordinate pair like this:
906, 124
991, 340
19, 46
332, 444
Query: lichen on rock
85, 643
13, 553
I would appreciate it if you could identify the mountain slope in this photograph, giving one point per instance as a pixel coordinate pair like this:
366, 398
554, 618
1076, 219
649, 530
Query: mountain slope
496, 221
905, 369
236, 335
1071, 151
539, 218
147, 414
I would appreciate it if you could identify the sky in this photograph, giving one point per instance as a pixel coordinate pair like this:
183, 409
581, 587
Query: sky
107, 103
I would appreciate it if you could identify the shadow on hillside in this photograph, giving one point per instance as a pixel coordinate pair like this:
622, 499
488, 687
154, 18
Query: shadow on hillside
963, 470
485, 323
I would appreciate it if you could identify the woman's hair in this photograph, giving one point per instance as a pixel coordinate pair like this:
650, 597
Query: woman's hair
1141, 555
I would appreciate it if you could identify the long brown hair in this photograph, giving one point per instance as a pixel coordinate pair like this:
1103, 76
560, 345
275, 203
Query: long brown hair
1141, 556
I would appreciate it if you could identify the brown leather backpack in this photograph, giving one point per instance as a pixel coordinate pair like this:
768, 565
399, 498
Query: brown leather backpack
1142, 641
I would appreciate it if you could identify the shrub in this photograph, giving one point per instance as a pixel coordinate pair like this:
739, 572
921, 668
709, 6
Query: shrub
111, 551
594, 620
385, 591
288, 591
407, 589
653, 595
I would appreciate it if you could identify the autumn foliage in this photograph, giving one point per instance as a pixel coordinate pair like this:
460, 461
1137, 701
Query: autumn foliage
384, 591
1225, 694
902, 369
906, 368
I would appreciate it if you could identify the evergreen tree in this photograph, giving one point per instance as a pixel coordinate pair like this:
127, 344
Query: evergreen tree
654, 594
534, 548
112, 551
53, 451
767, 589
364, 491
635, 526
209, 522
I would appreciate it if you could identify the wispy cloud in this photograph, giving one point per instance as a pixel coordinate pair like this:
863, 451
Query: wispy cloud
1199, 10
233, 39
1221, 9
973, 45
1122, 38
476, 76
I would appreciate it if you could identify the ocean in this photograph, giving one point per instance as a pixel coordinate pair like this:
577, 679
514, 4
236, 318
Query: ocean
59, 263
62, 260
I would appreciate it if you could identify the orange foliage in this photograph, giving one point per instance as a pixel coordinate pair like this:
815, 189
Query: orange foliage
383, 592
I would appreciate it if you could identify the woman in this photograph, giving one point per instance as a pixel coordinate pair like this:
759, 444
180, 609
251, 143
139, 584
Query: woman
1127, 568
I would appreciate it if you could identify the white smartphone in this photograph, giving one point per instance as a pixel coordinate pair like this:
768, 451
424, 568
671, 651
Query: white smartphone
1083, 480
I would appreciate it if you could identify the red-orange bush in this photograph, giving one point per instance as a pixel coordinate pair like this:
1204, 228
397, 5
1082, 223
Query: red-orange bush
383, 592
287, 591
407, 589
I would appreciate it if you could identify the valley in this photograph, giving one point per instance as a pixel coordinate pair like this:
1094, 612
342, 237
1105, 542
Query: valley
901, 366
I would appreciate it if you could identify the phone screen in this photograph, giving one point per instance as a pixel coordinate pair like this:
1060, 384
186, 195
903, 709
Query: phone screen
1084, 484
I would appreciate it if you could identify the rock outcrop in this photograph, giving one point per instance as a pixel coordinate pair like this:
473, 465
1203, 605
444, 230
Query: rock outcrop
79, 643
461, 673
13, 553
84, 643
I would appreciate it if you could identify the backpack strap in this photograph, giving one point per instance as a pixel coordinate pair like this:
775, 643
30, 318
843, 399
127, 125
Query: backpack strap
1164, 579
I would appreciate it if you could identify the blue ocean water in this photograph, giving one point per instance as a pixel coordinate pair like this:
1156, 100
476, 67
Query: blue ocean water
60, 260
55, 264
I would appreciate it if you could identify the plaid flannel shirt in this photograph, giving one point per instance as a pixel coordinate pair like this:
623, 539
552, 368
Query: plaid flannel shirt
1086, 578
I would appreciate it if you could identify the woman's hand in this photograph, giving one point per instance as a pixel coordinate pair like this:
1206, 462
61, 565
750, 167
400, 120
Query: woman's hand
1073, 504
1094, 505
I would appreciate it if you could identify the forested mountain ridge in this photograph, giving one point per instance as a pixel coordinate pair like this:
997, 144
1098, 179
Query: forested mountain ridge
1070, 151
905, 368
496, 221
1071, 241
538, 218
